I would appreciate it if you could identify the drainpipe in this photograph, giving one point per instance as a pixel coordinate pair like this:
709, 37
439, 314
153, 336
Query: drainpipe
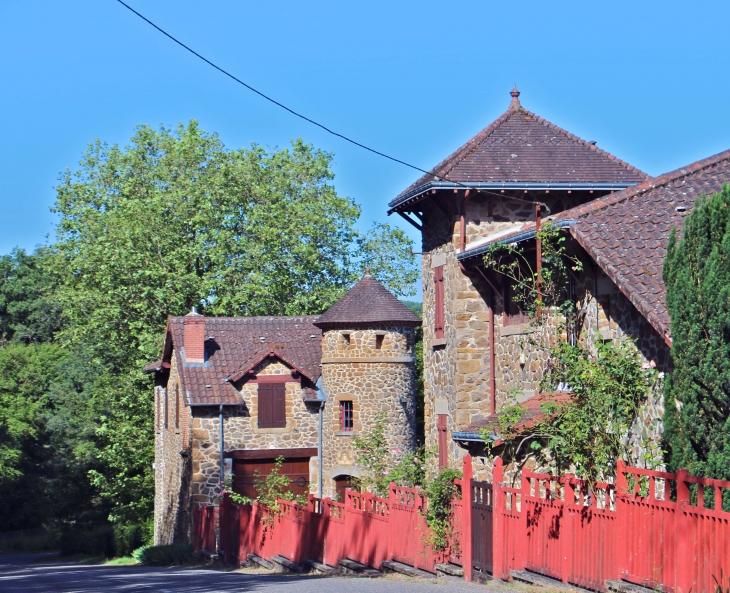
220, 426
322, 395
538, 248
492, 370
319, 449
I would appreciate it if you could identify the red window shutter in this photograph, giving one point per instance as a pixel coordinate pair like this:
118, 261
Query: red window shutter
443, 449
438, 278
272, 405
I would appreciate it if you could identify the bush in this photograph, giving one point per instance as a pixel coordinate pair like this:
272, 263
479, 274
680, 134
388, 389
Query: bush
98, 542
128, 538
164, 555
28, 540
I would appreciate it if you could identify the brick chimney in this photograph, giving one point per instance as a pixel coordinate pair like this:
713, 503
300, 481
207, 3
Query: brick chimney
194, 336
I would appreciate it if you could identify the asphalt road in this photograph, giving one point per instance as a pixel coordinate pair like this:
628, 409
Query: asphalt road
35, 574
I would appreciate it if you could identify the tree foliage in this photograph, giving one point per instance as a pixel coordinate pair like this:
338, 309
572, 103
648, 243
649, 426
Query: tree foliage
174, 220
697, 278
29, 310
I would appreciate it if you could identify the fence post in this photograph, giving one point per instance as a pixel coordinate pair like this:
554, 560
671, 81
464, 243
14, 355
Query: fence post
623, 528
466, 524
566, 533
498, 538
391, 524
684, 538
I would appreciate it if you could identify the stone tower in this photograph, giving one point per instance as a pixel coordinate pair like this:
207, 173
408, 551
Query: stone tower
368, 368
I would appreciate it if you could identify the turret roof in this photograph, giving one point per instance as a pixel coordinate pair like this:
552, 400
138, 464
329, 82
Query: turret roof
368, 302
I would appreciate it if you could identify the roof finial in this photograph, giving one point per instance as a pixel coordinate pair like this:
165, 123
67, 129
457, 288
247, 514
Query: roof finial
515, 103
367, 271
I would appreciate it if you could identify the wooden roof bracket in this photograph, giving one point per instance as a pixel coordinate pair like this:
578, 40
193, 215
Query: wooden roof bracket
410, 220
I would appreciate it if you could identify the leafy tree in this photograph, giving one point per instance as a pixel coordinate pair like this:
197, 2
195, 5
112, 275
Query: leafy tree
697, 277
175, 220
29, 310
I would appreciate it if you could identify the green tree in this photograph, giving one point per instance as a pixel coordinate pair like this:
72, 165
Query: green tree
697, 277
175, 220
29, 310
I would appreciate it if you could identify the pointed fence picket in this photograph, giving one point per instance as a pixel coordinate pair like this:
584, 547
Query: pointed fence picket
661, 530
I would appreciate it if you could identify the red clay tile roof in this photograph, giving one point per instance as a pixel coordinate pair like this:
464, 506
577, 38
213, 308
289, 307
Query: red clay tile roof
520, 146
237, 345
627, 232
532, 414
368, 302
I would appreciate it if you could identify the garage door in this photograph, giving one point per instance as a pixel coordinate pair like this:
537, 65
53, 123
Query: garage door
249, 473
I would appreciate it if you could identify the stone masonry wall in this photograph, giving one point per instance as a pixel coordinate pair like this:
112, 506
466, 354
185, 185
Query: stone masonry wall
172, 470
355, 370
241, 431
456, 372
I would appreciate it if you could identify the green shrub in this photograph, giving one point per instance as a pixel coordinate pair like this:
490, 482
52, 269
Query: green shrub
97, 542
164, 555
128, 538
28, 540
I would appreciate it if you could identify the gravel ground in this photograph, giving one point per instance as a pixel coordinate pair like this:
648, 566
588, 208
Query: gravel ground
30, 573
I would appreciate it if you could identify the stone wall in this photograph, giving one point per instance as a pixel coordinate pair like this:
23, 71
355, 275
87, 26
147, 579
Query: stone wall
241, 431
173, 508
376, 381
457, 368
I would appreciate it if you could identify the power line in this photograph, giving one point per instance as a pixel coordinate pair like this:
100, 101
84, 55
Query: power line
311, 121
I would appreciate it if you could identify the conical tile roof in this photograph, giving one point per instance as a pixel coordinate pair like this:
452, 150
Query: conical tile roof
521, 147
368, 302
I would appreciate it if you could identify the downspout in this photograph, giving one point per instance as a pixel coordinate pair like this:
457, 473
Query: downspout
319, 450
538, 264
492, 370
222, 463
322, 395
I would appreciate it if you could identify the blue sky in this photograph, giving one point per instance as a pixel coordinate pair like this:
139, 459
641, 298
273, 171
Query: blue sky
647, 80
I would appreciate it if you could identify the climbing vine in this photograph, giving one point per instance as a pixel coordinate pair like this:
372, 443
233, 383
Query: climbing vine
593, 393
383, 465
270, 489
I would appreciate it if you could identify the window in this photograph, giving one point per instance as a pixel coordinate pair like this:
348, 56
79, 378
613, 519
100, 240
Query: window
272, 405
438, 278
347, 338
346, 418
379, 341
513, 310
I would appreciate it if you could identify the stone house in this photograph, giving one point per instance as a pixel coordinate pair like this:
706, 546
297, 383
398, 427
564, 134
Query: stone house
232, 394
518, 171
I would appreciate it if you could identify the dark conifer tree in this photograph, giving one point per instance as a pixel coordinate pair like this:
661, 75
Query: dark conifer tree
697, 396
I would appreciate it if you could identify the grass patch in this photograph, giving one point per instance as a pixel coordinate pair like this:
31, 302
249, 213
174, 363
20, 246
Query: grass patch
123, 561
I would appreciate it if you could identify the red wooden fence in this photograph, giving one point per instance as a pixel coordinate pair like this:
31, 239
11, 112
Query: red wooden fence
364, 528
661, 530
636, 530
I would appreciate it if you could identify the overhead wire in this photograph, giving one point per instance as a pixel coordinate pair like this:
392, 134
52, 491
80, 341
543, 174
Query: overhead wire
316, 123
